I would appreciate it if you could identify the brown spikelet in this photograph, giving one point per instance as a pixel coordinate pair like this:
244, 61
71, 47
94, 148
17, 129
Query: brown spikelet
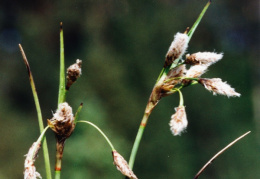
217, 86
62, 122
177, 48
178, 121
122, 165
73, 73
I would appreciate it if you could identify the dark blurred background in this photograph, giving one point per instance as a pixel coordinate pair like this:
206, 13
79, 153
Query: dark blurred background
122, 45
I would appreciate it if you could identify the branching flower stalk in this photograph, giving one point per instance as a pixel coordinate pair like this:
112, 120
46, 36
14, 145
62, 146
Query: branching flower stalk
175, 76
161, 89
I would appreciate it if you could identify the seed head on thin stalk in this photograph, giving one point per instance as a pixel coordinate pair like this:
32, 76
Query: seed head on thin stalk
63, 125
217, 86
122, 165
203, 58
178, 122
30, 170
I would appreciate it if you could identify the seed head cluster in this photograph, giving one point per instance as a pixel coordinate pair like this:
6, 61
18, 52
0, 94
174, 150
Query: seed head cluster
180, 76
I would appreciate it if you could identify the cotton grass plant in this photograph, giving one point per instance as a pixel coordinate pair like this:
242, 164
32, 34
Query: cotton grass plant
180, 70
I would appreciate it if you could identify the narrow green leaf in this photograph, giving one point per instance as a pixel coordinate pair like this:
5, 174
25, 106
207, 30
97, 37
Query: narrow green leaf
62, 93
195, 25
39, 115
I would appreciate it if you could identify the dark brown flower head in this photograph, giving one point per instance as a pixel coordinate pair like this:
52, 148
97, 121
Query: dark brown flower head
122, 165
62, 122
29, 168
73, 73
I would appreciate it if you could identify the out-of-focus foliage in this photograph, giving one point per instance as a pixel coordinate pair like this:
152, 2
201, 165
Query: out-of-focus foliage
122, 45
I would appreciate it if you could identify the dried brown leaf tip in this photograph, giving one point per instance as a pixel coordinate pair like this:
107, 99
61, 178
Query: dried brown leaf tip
217, 86
178, 121
73, 73
62, 122
177, 48
122, 165
29, 168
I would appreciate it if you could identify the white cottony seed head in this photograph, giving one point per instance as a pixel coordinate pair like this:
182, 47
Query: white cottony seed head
62, 122
196, 71
122, 165
63, 113
29, 168
217, 86
177, 48
206, 58
178, 122
177, 71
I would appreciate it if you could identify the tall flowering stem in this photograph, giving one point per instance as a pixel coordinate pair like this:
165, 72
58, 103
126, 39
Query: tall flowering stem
39, 115
172, 59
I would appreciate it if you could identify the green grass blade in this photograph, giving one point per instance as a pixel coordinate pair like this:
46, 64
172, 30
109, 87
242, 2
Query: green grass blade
39, 114
195, 25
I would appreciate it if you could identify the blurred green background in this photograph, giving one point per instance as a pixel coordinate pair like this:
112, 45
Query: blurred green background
122, 45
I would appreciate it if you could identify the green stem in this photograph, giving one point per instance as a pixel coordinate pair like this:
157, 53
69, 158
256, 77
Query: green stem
181, 97
62, 92
59, 154
138, 140
39, 115
57, 174
101, 132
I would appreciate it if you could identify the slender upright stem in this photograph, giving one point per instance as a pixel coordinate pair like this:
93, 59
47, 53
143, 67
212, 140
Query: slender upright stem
59, 155
39, 115
152, 102
61, 99
138, 140
62, 92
